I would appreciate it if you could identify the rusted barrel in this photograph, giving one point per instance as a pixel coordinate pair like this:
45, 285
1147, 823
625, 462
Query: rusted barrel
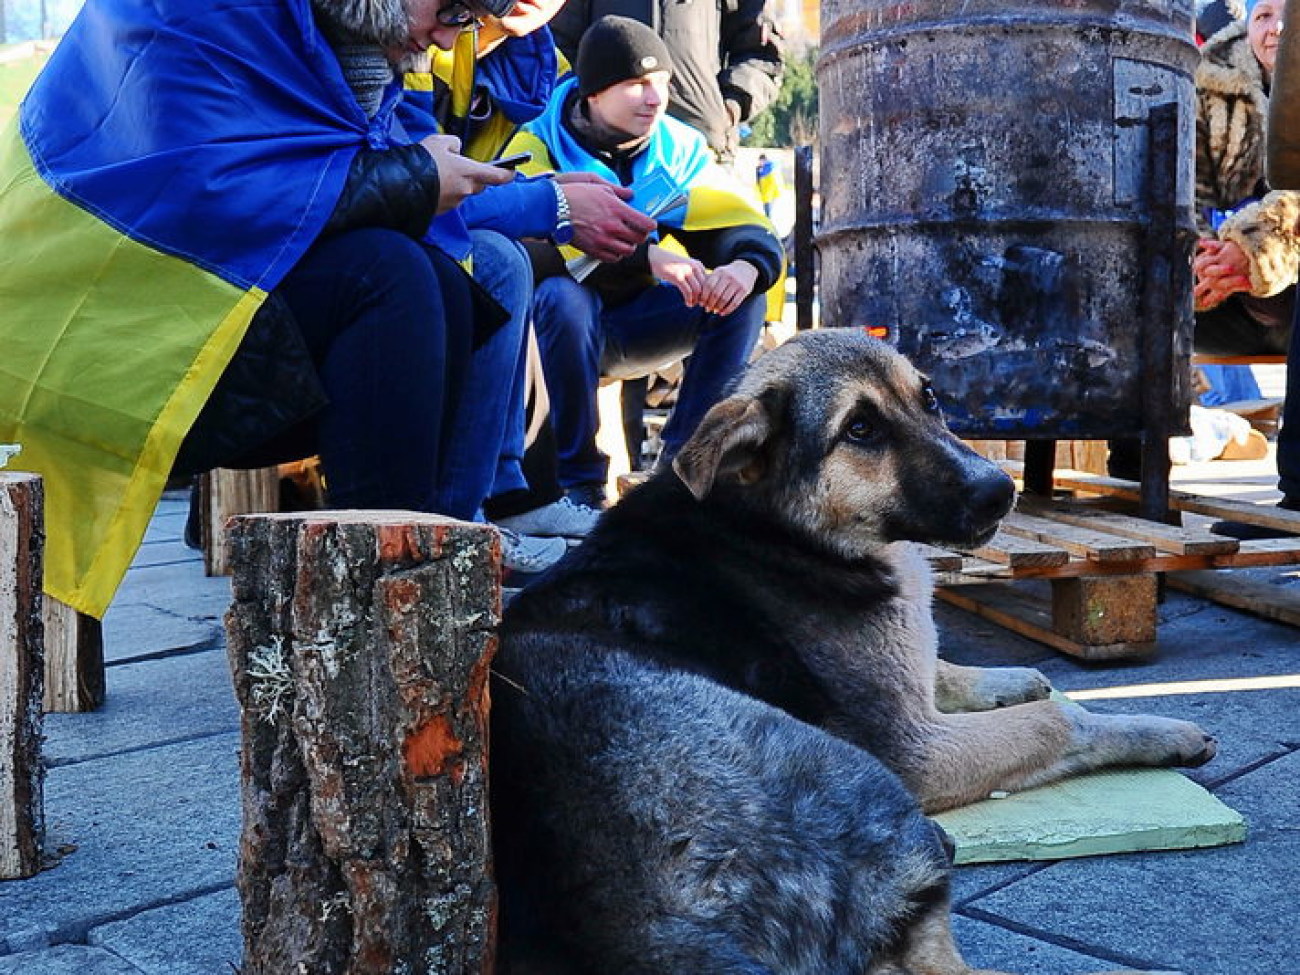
986, 195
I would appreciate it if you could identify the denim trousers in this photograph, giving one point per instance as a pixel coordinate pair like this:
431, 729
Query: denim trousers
582, 340
416, 411
494, 378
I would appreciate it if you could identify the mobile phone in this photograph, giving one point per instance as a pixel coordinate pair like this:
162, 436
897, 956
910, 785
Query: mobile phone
512, 162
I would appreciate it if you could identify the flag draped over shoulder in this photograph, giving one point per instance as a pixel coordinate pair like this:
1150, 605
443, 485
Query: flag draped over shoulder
169, 166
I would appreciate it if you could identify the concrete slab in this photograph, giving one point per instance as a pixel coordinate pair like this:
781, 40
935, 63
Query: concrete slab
66, 960
180, 589
148, 704
138, 830
135, 630
1224, 911
168, 550
989, 946
195, 937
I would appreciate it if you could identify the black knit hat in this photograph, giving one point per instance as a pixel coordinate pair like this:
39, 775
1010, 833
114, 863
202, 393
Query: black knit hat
615, 49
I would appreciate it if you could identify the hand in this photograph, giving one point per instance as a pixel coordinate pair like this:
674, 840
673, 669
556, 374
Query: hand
727, 286
459, 176
604, 226
686, 273
1221, 269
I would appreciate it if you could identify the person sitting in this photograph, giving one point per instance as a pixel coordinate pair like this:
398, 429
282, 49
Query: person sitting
491, 81
217, 252
631, 316
1248, 257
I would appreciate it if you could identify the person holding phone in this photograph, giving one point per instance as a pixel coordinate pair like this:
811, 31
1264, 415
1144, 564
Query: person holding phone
217, 252
494, 78
702, 295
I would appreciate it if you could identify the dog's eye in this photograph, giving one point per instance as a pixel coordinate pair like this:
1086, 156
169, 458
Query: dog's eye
860, 431
929, 402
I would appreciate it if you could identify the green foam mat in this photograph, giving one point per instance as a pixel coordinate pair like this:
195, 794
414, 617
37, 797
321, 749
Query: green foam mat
1106, 812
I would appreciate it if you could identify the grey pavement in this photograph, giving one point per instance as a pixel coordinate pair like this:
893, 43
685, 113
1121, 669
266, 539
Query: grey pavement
142, 805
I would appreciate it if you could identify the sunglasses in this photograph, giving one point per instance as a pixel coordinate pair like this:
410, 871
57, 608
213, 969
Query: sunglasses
457, 14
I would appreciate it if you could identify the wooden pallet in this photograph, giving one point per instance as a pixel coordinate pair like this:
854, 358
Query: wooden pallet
1102, 566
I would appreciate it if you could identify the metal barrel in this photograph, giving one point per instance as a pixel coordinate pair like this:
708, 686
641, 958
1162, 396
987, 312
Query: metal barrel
987, 196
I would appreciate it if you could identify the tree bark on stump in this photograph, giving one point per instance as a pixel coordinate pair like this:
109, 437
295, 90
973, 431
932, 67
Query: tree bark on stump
360, 644
22, 675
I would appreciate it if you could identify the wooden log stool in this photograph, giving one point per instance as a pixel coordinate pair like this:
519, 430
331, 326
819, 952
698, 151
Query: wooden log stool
361, 644
22, 775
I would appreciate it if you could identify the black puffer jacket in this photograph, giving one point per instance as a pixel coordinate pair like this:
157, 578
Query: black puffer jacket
271, 384
727, 57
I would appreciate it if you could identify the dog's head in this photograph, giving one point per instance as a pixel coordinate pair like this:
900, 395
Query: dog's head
838, 436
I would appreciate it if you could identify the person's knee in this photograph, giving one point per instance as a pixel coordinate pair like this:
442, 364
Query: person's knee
562, 305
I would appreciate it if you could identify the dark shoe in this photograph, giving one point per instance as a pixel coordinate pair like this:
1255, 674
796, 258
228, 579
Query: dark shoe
589, 495
194, 519
1246, 532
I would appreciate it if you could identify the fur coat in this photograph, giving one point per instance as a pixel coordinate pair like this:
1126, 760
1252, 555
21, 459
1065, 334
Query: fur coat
1232, 115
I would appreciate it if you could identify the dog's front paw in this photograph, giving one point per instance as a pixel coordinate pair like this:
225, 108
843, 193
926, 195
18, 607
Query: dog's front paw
1141, 739
1003, 687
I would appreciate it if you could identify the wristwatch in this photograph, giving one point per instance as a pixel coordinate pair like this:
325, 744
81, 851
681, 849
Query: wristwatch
563, 232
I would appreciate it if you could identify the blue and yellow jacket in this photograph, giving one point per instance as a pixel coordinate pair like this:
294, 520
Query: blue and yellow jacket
720, 221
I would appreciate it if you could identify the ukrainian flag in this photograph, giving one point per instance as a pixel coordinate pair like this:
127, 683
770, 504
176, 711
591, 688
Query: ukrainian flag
170, 165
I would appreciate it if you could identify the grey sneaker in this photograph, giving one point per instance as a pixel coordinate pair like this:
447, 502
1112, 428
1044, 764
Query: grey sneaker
559, 519
527, 554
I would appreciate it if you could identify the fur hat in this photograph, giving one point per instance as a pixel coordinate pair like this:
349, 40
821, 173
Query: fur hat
615, 49
383, 22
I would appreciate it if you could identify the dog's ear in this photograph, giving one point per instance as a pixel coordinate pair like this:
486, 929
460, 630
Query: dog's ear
727, 441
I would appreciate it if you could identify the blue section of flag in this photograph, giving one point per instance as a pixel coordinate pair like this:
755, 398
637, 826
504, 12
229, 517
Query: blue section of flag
219, 132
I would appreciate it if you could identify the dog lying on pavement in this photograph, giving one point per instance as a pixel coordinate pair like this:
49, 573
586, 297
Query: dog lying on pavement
714, 721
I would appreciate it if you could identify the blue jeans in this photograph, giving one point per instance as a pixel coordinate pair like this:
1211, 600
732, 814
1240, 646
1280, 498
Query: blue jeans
486, 439
581, 340
389, 323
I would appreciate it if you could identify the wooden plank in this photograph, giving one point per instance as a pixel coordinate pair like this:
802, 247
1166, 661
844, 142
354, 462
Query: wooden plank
1253, 595
1021, 613
1019, 552
940, 559
1165, 538
22, 774
1090, 544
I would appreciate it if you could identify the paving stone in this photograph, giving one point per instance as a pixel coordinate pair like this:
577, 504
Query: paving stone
151, 703
137, 830
166, 550
195, 937
133, 630
182, 590
989, 946
66, 960
1223, 911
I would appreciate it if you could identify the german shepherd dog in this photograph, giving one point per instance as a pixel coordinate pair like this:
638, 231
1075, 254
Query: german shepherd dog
718, 722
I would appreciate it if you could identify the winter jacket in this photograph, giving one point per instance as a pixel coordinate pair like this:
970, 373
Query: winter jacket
151, 197
1284, 108
717, 224
727, 59
1232, 116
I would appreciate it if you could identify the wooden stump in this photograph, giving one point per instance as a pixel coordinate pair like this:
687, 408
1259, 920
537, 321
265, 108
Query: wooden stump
74, 659
22, 776
360, 644
225, 493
